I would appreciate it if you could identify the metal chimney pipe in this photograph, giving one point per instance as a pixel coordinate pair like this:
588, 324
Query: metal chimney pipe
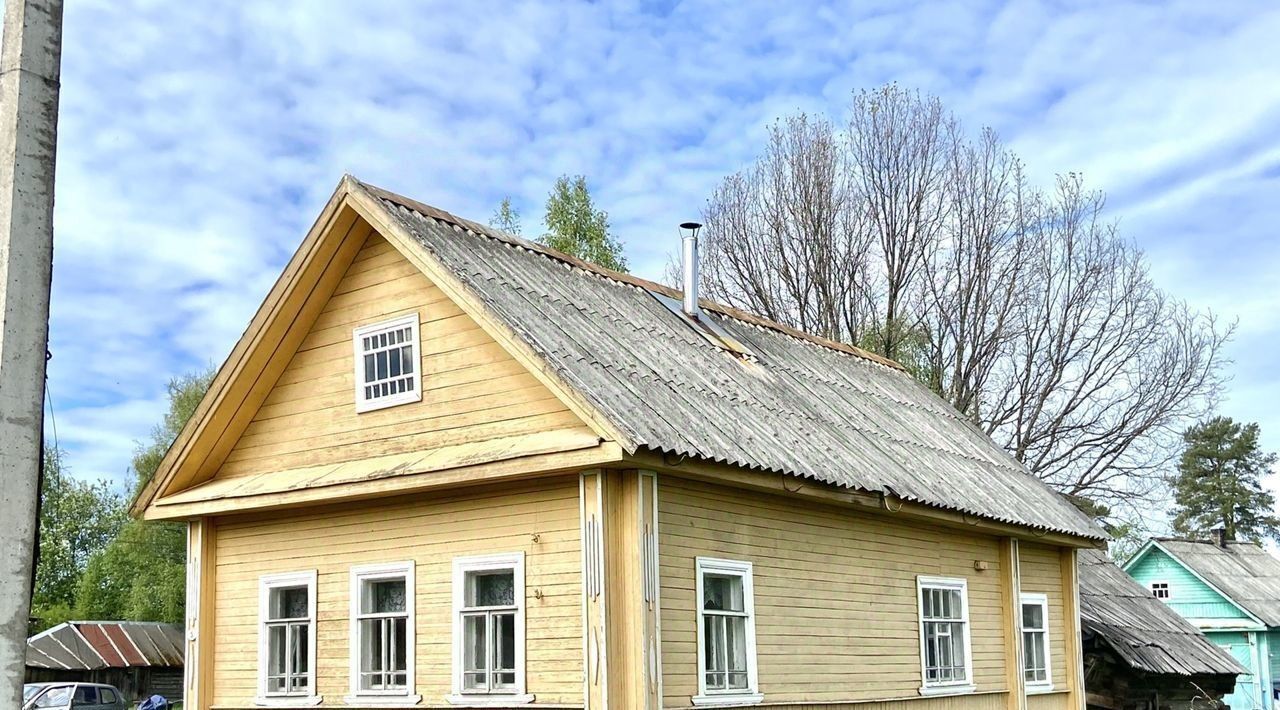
690, 239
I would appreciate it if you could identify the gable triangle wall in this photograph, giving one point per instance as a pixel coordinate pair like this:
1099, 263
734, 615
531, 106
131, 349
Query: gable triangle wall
473, 390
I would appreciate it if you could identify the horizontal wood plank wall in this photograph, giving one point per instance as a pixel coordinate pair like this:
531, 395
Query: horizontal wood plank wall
430, 531
835, 593
1049, 701
473, 390
1042, 574
984, 701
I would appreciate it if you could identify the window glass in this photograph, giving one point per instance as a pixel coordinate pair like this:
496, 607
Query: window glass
287, 626
725, 627
489, 631
383, 627
108, 696
85, 695
944, 626
55, 698
1035, 641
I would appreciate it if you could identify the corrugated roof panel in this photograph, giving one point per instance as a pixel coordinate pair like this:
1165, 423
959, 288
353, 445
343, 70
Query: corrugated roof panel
809, 409
96, 635
89, 645
1141, 629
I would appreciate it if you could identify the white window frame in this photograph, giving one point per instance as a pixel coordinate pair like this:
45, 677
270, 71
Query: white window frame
1046, 685
378, 573
266, 584
744, 570
952, 687
463, 566
1168, 590
357, 346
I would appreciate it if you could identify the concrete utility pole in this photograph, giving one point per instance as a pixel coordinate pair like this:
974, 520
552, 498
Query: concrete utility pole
30, 64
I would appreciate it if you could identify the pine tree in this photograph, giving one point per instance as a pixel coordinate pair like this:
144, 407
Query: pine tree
506, 217
577, 228
1218, 484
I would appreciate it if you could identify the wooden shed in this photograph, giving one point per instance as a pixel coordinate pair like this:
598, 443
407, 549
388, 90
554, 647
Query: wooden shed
1138, 653
139, 658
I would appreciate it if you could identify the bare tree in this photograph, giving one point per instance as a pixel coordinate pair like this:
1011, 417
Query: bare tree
1103, 368
1023, 308
898, 153
787, 237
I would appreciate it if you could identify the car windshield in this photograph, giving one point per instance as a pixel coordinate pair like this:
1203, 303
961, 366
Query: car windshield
30, 690
55, 698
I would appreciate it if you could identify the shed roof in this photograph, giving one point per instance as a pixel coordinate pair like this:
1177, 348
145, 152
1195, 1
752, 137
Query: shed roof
1246, 573
1142, 630
801, 405
90, 645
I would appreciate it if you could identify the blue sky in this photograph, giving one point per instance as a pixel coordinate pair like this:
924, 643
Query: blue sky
199, 140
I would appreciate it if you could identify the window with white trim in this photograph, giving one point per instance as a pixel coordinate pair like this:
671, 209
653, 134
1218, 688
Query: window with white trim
387, 364
1035, 642
945, 657
382, 629
488, 629
1161, 590
726, 633
287, 637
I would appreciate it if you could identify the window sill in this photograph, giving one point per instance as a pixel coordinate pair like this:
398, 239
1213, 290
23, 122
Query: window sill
379, 701
288, 701
1039, 689
734, 700
488, 701
947, 689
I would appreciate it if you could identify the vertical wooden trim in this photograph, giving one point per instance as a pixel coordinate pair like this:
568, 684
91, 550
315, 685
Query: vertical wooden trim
199, 635
594, 637
1071, 620
648, 502
1011, 593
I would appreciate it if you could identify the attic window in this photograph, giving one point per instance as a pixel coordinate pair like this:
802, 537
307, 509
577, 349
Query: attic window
706, 327
387, 364
1160, 590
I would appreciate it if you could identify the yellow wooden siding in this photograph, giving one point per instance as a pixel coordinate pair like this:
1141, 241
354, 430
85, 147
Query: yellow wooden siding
1057, 700
981, 701
835, 593
473, 390
1041, 567
431, 532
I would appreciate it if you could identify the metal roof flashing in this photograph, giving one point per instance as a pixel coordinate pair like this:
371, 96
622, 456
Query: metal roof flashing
706, 327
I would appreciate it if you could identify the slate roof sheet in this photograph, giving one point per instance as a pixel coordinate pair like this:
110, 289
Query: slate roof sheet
1245, 572
1141, 629
801, 406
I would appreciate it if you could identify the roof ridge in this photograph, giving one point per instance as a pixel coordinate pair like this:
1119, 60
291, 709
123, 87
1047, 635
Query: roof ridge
629, 279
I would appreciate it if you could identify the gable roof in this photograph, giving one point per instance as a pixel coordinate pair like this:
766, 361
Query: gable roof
1142, 630
1246, 574
800, 406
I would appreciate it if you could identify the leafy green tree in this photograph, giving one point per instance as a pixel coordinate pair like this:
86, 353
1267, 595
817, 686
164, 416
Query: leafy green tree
141, 574
577, 228
506, 218
1218, 484
77, 519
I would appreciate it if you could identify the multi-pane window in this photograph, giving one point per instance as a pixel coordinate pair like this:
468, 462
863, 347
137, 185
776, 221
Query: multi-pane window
1035, 641
1160, 590
287, 607
382, 597
726, 628
489, 625
944, 633
386, 357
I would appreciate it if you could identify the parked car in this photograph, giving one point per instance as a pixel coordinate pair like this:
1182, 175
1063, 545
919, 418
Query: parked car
82, 696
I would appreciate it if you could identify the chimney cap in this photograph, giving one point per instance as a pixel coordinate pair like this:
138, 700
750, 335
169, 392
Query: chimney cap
694, 226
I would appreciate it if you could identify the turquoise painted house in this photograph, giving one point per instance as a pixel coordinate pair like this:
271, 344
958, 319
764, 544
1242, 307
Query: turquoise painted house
1230, 591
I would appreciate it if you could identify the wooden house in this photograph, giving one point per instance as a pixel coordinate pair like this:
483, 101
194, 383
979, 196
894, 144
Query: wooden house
445, 467
1138, 653
1229, 590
